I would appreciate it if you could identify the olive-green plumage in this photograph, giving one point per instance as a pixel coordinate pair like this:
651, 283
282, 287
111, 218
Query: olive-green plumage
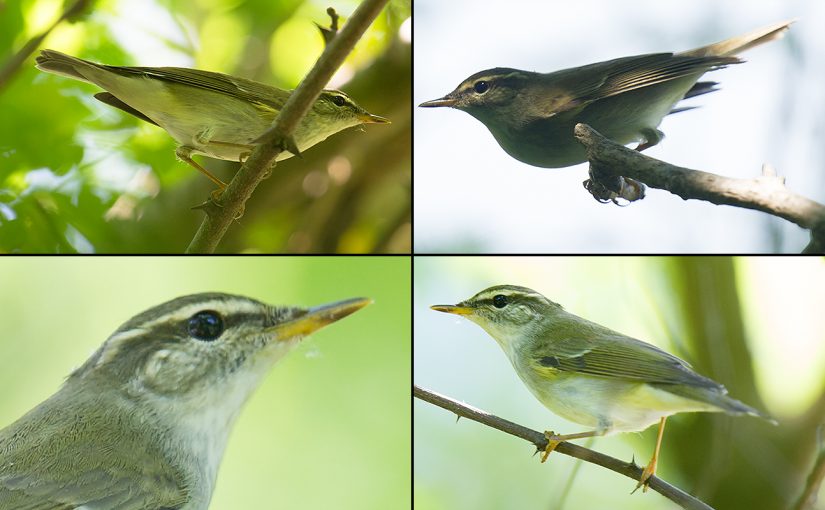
208, 113
143, 423
585, 372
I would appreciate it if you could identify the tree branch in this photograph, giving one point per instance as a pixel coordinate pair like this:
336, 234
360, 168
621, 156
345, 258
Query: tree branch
631, 470
221, 212
615, 172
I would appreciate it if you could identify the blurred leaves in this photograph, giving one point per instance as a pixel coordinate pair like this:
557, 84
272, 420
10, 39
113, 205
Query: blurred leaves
114, 184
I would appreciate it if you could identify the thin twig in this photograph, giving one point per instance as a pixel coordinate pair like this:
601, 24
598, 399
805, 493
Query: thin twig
230, 205
630, 470
329, 33
612, 163
13, 64
807, 499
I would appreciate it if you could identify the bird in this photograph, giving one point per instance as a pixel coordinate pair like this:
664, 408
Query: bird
143, 423
590, 374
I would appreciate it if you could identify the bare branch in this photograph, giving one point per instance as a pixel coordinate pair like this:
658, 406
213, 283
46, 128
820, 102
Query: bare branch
630, 470
230, 205
617, 172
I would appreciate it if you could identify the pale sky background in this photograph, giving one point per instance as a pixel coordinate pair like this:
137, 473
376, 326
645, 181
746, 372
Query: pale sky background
471, 196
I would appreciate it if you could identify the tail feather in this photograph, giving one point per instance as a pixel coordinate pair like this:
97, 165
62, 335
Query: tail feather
738, 44
719, 399
59, 63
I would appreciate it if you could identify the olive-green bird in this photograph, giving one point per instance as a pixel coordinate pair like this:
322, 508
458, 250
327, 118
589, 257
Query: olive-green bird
589, 374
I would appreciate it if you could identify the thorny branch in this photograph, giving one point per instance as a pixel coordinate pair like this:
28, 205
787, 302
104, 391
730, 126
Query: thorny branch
629, 469
230, 205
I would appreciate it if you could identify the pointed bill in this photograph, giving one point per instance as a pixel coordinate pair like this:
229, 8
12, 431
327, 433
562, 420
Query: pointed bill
317, 317
454, 309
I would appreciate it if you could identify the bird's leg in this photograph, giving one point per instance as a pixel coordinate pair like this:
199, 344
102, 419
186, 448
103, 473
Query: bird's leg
553, 440
184, 153
650, 469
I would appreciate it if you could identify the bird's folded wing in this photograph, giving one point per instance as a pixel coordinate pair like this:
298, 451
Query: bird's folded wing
249, 90
584, 85
50, 460
618, 357
94, 489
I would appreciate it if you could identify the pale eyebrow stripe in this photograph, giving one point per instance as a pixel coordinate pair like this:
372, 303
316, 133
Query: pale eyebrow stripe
111, 346
224, 306
186, 311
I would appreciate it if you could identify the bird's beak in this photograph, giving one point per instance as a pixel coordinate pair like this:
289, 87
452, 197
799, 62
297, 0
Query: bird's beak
368, 118
454, 309
317, 317
444, 101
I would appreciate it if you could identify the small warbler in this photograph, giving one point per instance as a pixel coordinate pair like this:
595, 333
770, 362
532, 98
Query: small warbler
143, 423
532, 115
589, 374
208, 113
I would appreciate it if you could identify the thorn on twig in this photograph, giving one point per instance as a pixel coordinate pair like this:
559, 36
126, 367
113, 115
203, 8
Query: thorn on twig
285, 143
209, 206
239, 214
329, 33
288, 144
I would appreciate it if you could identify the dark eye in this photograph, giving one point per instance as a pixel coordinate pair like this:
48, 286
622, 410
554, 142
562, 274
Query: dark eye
500, 301
206, 325
481, 87
339, 100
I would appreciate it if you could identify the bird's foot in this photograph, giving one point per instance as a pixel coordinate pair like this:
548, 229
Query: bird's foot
552, 442
647, 473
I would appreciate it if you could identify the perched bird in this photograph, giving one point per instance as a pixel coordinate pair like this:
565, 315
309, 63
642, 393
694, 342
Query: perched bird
213, 114
532, 115
589, 374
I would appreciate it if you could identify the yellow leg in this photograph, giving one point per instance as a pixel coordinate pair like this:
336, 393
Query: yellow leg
553, 440
650, 469
185, 153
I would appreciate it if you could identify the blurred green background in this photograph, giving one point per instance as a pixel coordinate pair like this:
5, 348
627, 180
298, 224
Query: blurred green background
753, 324
328, 428
79, 176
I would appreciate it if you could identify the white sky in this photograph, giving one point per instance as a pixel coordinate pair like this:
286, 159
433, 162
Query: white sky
471, 196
